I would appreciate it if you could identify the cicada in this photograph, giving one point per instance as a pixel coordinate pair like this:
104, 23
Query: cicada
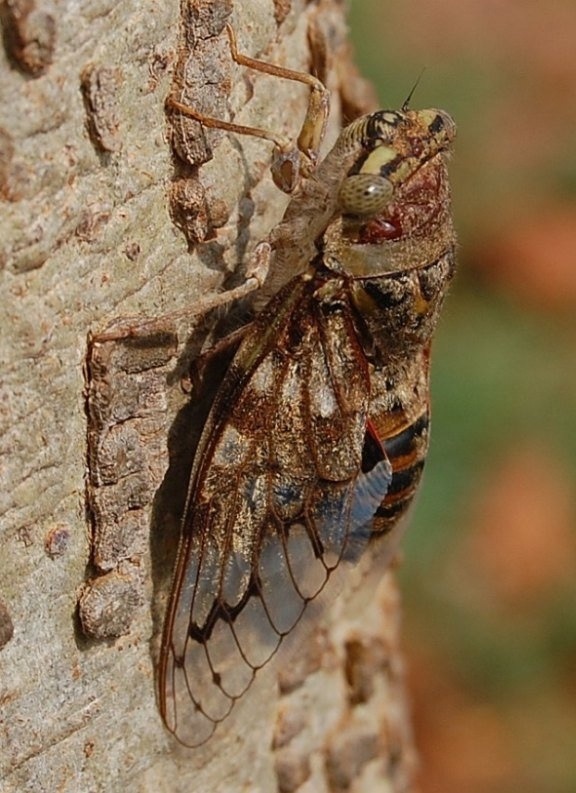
317, 436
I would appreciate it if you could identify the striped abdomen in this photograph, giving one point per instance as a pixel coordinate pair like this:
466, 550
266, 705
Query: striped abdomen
405, 442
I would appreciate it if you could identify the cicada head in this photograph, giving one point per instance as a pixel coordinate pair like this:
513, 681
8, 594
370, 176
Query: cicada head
394, 202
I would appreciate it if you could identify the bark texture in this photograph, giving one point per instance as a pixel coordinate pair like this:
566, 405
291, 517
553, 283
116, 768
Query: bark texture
107, 213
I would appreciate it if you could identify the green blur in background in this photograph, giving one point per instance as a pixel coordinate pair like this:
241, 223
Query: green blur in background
489, 575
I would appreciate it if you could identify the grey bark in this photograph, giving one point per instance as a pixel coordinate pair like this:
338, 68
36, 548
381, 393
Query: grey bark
100, 221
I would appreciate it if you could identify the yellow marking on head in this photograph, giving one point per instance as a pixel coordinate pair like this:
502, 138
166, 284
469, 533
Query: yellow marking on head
381, 155
428, 116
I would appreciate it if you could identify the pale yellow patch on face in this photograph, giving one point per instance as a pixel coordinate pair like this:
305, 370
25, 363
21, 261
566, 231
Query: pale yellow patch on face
381, 155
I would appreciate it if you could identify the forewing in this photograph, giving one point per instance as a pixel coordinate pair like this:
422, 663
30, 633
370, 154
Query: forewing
278, 500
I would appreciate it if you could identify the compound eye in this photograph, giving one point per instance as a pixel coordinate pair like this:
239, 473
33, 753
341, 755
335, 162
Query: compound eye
365, 194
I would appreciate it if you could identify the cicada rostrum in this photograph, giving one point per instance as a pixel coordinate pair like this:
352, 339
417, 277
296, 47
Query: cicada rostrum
316, 439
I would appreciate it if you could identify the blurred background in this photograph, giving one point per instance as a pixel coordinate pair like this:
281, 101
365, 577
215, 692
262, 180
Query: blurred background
489, 577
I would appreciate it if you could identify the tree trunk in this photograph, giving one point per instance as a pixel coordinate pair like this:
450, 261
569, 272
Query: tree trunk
106, 213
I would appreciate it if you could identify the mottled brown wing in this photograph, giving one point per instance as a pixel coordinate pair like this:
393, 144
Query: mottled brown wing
278, 500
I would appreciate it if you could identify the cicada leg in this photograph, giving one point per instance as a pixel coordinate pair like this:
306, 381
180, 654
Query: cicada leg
291, 161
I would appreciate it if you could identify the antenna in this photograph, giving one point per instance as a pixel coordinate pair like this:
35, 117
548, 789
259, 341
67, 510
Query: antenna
406, 103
